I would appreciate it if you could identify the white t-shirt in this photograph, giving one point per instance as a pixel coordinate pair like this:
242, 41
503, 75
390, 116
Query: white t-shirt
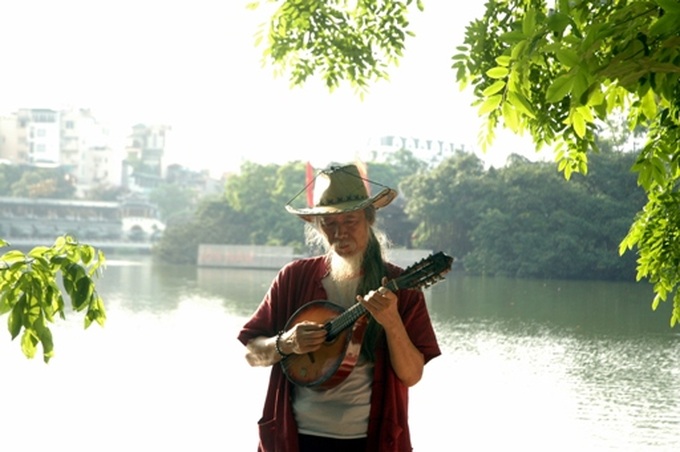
341, 411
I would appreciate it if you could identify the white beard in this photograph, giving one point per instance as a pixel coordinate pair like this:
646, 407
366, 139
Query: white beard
343, 279
345, 268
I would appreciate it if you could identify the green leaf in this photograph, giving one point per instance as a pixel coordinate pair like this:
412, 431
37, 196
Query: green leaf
558, 22
503, 60
82, 294
33, 312
490, 104
529, 22
29, 341
559, 88
95, 312
596, 99
38, 251
666, 25
498, 72
510, 117
578, 123
45, 336
567, 57
5, 302
648, 105
521, 103
13, 256
16, 319
586, 112
669, 6
86, 254
580, 86
494, 88
512, 37
517, 51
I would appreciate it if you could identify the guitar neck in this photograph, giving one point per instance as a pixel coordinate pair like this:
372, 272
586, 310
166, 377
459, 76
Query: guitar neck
351, 315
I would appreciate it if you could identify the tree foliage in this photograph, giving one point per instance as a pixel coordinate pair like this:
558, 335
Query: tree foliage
439, 200
213, 222
259, 193
35, 182
559, 72
250, 212
339, 40
525, 219
171, 199
31, 297
554, 69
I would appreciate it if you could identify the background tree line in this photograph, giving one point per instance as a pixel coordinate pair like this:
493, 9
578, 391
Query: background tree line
23, 181
523, 219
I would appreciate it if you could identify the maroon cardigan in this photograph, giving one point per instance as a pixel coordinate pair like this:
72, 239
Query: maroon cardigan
298, 283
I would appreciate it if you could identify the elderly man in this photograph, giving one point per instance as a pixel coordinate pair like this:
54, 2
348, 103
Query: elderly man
361, 402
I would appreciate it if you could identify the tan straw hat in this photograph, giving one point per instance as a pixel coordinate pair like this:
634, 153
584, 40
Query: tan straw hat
340, 189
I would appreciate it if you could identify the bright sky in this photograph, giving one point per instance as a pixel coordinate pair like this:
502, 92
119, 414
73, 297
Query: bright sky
193, 66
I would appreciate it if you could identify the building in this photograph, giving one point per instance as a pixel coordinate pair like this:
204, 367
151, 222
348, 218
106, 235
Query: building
38, 219
91, 156
421, 147
32, 135
143, 165
72, 139
87, 152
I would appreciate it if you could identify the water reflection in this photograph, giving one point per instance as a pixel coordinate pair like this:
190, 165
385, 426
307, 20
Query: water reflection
138, 285
241, 289
585, 306
526, 365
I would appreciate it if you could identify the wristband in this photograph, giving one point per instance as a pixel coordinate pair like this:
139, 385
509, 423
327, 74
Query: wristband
278, 349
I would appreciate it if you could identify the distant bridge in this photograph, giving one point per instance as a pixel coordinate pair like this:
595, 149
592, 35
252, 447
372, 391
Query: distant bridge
107, 246
126, 226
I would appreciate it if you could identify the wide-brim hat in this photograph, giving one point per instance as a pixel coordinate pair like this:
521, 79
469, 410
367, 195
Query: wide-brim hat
341, 189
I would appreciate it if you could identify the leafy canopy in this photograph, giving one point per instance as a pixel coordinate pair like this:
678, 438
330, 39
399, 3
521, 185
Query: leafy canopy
340, 40
560, 72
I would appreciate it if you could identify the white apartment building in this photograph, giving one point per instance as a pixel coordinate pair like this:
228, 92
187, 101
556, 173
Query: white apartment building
87, 151
144, 157
31, 136
72, 138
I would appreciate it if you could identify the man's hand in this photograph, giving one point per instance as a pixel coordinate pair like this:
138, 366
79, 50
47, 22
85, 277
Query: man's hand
303, 338
382, 304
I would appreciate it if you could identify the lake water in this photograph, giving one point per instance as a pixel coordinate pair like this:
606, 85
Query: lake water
526, 365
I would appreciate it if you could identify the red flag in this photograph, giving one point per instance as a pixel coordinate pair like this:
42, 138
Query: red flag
309, 184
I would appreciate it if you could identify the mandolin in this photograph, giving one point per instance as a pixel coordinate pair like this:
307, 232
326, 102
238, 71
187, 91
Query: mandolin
333, 362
